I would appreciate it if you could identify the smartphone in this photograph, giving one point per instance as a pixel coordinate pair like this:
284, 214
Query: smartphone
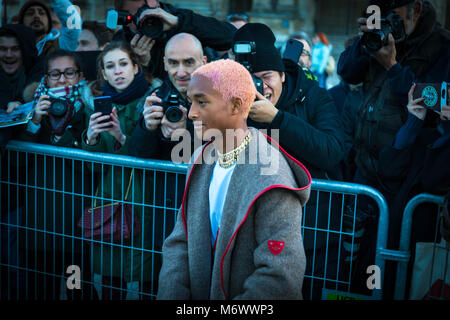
103, 105
293, 50
435, 94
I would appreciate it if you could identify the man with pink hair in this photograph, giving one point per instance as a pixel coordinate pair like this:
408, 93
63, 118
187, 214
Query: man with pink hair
238, 232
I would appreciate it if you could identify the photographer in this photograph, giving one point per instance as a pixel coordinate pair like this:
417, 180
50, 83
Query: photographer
387, 75
152, 135
416, 162
58, 116
309, 127
58, 119
210, 31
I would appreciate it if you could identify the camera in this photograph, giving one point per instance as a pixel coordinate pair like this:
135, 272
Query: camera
435, 94
244, 51
151, 27
171, 107
375, 39
58, 107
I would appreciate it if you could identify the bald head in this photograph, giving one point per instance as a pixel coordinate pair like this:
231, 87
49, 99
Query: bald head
182, 56
184, 39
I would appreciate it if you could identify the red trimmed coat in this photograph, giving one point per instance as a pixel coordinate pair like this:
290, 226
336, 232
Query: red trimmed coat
259, 250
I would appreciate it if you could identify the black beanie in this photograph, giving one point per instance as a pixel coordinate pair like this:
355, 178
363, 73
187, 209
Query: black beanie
387, 5
36, 3
267, 56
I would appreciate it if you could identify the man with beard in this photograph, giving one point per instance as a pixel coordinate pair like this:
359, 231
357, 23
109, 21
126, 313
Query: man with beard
37, 16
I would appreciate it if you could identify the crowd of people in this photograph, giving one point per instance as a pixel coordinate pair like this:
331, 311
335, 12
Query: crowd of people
369, 129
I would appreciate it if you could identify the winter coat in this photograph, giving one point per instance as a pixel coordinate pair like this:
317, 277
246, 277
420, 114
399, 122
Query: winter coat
112, 259
259, 251
418, 168
310, 129
422, 57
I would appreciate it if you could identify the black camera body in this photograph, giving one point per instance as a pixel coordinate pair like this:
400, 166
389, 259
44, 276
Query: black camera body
244, 52
375, 39
151, 27
171, 107
58, 107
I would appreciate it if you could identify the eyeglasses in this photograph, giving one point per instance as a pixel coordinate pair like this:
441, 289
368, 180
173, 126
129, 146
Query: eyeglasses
68, 74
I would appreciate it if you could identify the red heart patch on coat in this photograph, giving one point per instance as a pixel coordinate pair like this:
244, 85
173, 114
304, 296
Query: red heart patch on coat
275, 246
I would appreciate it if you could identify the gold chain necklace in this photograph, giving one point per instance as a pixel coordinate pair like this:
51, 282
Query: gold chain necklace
226, 160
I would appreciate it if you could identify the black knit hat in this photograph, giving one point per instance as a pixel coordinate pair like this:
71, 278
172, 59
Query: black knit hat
386, 5
36, 3
267, 56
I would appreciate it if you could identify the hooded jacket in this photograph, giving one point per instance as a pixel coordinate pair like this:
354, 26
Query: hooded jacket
259, 249
310, 127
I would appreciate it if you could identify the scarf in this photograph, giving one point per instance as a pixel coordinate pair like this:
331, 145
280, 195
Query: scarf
52, 35
72, 97
135, 90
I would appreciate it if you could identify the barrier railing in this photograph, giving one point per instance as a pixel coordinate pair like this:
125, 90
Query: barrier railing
405, 239
72, 178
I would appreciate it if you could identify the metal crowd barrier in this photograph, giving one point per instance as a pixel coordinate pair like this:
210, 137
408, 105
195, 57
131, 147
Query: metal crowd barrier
404, 253
28, 275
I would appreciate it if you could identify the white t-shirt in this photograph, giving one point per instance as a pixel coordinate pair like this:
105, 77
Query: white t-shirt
218, 188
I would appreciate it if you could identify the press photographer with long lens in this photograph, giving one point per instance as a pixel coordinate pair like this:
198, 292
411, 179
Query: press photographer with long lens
289, 100
148, 24
410, 46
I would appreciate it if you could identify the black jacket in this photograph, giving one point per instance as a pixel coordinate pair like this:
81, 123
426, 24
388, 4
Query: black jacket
419, 168
423, 57
211, 32
152, 144
310, 127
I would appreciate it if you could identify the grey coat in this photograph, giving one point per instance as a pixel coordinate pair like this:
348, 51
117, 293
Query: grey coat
259, 249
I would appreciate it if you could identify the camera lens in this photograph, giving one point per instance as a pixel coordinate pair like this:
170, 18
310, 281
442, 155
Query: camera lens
151, 27
372, 41
174, 114
58, 107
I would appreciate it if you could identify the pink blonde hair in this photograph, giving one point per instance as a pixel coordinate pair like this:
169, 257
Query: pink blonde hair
231, 79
